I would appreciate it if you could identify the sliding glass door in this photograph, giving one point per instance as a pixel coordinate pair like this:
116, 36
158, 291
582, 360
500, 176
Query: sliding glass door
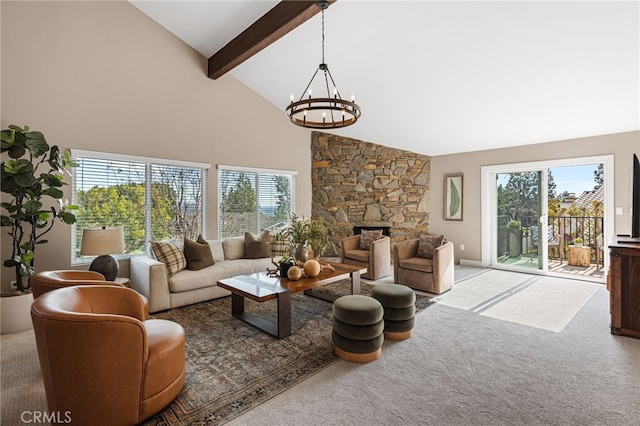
520, 211
548, 216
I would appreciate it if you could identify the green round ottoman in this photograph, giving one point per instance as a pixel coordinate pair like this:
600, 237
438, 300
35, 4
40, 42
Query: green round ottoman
358, 328
399, 306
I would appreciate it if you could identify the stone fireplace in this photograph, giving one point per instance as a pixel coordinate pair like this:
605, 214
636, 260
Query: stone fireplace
362, 184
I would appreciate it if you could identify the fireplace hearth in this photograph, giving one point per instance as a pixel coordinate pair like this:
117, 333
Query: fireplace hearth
386, 230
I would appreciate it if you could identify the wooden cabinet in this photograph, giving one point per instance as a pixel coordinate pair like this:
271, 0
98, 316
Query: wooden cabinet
623, 283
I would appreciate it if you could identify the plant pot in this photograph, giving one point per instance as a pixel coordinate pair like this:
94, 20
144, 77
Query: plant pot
284, 268
301, 253
514, 245
15, 313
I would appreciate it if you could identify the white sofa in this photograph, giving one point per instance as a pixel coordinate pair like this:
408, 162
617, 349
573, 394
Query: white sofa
149, 276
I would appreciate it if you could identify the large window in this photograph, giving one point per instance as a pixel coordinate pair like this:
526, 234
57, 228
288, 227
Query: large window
252, 200
152, 199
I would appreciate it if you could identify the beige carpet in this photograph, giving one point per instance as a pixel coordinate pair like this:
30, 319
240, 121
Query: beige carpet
548, 303
482, 288
22, 387
462, 368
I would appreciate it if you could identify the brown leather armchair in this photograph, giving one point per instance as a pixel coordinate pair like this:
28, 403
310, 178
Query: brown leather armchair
42, 282
377, 259
431, 275
102, 363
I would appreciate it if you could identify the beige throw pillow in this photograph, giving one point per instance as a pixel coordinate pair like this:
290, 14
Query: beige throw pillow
169, 253
427, 245
233, 248
369, 236
198, 254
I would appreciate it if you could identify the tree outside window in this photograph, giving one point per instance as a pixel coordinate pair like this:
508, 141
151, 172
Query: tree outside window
253, 200
150, 200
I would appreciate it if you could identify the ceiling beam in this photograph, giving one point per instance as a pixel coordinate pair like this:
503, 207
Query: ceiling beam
282, 18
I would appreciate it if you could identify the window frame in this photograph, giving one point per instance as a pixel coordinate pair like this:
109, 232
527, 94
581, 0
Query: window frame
255, 170
148, 163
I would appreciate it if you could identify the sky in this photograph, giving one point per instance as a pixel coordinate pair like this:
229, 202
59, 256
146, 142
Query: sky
574, 178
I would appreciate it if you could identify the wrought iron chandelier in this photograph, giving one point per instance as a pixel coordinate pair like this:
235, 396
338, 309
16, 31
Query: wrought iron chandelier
325, 112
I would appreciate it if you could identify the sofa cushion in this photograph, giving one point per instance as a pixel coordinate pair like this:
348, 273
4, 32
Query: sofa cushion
187, 280
369, 236
233, 248
198, 253
191, 280
417, 264
169, 253
360, 255
428, 243
256, 248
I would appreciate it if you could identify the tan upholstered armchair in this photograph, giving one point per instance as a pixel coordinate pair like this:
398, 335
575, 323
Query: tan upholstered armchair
42, 282
101, 361
377, 259
431, 275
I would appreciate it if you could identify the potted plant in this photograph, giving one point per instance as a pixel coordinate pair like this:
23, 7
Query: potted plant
514, 227
307, 237
578, 242
285, 263
32, 176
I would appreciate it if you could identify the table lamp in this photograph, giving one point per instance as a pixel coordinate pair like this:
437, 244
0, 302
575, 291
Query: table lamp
103, 242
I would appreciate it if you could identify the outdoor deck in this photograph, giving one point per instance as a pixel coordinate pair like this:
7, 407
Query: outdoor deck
555, 266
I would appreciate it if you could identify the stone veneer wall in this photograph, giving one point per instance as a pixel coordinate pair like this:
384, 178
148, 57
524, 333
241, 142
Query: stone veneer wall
361, 183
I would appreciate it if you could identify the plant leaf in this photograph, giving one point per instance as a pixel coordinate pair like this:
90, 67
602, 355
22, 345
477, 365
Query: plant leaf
68, 218
454, 204
38, 147
7, 137
53, 192
32, 207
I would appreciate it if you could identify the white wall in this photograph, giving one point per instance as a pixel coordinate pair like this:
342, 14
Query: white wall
103, 76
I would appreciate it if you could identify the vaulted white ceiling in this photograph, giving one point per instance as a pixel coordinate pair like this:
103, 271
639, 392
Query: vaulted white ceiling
444, 77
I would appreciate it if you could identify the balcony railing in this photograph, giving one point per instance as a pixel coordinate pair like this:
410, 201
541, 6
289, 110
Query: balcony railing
561, 232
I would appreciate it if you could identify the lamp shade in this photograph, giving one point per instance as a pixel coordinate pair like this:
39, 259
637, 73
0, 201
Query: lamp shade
101, 241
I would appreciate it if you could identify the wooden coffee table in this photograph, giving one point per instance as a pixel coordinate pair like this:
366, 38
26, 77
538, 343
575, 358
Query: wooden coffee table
260, 287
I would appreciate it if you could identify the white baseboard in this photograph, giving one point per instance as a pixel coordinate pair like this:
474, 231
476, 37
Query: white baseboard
467, 262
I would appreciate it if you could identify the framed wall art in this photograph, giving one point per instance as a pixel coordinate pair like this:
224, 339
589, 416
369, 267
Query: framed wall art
453, 196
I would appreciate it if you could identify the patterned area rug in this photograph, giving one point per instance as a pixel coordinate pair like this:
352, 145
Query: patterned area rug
233, 367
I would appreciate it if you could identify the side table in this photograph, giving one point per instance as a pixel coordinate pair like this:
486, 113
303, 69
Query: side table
124, 281
579, 256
